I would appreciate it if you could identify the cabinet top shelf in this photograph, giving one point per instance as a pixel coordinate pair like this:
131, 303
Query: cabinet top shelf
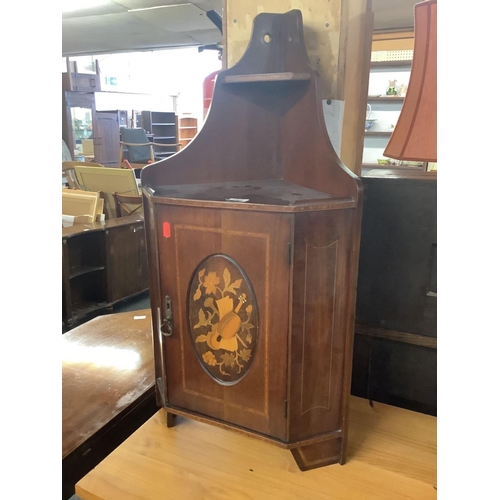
268, 195
266, 77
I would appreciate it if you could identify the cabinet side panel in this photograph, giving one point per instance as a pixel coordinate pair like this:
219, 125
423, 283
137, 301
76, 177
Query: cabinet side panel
318, 320
318, 323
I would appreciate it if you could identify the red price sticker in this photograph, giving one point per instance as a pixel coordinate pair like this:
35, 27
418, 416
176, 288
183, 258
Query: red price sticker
166, 229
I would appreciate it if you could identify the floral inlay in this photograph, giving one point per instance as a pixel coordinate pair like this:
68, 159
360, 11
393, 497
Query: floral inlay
222, 319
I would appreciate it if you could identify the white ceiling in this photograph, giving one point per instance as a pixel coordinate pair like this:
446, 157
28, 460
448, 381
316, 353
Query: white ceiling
117, 27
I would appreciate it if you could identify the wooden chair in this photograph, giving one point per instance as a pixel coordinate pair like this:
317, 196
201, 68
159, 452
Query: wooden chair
140, 149
126, 204
68, 172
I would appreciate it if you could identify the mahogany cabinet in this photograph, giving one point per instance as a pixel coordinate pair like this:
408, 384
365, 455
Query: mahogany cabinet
252, 236
102, 263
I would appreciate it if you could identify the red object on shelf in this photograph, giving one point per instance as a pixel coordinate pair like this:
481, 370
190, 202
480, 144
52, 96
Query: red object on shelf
208, 91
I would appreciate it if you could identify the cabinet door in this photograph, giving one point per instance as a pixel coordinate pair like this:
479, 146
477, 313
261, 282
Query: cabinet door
126, 261
107, 139
226, 273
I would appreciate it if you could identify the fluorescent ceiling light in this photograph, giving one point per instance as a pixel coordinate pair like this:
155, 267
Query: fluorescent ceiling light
160, 7
72, 5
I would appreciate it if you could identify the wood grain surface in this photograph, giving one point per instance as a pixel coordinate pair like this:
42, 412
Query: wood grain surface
391, 454
107, 365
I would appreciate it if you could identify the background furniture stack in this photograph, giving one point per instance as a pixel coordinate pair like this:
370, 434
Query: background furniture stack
107, 181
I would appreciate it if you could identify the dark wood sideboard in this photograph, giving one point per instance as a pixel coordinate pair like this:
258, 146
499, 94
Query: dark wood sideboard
102, 263
395, 346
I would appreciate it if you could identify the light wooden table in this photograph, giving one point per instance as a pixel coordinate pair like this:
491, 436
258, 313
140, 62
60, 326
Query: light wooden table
391, 455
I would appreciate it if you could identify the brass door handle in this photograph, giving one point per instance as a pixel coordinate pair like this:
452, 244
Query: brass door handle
167, 322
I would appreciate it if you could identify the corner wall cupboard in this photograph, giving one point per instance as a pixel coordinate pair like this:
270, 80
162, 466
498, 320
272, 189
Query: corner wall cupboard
253, 239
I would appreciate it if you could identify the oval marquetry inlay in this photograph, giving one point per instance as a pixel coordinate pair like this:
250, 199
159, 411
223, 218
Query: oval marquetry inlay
223, 318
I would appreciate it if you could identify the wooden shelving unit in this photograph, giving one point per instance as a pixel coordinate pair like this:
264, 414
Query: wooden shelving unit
188, 128
164, 127
103, 263
385, 110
